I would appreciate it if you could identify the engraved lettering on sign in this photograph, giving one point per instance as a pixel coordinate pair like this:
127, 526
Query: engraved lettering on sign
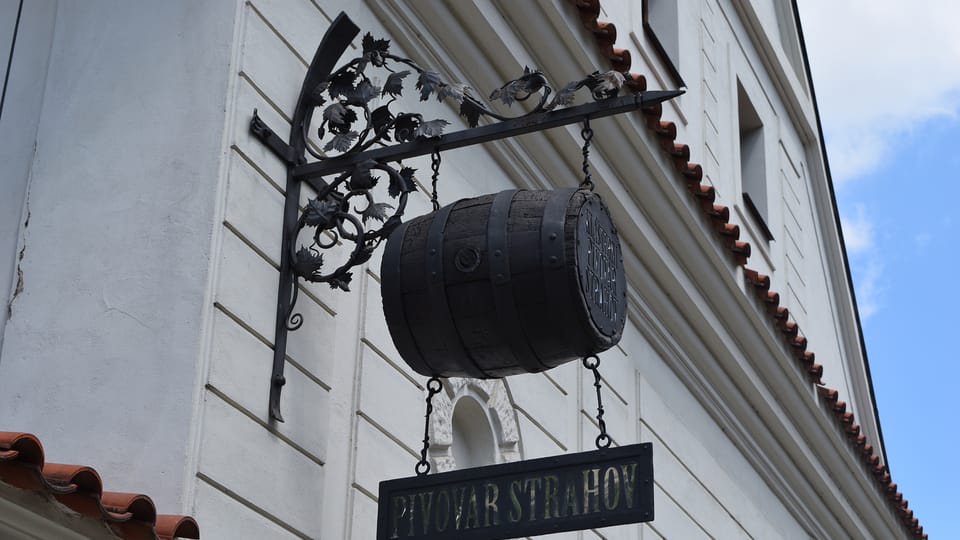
602, 257
513, 500
609, 488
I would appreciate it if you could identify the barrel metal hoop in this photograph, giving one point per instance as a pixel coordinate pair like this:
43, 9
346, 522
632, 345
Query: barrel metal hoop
440, 315
498, 253
553, 259
552, 235
393, 302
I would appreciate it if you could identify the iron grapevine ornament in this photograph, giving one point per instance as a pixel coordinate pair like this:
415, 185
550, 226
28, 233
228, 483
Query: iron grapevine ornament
350, 124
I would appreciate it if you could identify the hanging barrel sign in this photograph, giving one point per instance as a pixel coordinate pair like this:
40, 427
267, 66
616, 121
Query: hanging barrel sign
515, 282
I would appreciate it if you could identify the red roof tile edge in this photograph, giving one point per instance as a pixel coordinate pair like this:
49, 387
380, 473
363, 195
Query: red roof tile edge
129, 515
728, 235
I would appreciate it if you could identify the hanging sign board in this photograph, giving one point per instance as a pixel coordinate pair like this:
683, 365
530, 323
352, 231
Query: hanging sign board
570, 492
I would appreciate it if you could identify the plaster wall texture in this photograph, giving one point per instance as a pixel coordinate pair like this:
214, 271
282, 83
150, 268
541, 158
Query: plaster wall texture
160, 342
100, 351
23, 99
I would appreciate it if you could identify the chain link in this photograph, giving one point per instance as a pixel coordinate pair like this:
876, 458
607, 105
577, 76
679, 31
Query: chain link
435, 165
593, 364
587, 134
434, 387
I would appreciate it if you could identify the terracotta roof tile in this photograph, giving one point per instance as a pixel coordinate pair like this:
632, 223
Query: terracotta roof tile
634, 82
829, 395
719, 213
680, 153
606, 31
758, 280
172, 526
730, 230
815, 373
693, 173
728, 234
840, 407
128, 515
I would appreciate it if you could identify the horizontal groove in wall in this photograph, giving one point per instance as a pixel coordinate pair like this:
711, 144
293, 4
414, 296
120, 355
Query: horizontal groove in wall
662, 444
249, 161
361, 489
267, 342
555, 383
392, 363
279, 34
539, 426
276, 266
593, 422
683, 509
244, 76
606, 386
225, 398
251, 506
386, 433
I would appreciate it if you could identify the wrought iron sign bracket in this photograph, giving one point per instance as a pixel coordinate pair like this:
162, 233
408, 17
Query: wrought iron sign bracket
349, 165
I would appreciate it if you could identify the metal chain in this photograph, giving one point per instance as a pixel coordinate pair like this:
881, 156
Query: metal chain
593, 364
435, 165
587, 135
434, 387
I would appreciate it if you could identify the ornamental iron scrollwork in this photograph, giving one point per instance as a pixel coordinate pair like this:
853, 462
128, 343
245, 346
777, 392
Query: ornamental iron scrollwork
346, 99
361, 144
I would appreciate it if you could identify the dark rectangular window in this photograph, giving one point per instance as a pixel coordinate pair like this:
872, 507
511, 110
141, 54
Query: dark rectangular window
661, 22
753, 176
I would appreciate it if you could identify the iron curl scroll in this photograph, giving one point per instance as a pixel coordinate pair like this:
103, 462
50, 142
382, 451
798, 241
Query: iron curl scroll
361, 142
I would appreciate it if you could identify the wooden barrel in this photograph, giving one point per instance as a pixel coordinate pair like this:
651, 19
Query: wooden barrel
515, 282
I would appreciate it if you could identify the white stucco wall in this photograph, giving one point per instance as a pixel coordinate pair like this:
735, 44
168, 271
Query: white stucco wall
100, 353
353, 407
146, 321
23, 99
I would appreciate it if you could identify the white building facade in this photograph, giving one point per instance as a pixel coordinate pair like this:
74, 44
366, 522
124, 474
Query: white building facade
140, 245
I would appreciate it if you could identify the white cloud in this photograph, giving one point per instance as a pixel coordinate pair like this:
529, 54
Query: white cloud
866, 264
857, 232
854, 153
880, 68
868, 279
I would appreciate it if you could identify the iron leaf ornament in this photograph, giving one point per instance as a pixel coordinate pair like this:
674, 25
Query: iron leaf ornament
356, 115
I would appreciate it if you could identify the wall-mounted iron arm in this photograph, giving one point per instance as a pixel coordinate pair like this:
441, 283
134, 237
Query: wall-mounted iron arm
354, 160
487, 133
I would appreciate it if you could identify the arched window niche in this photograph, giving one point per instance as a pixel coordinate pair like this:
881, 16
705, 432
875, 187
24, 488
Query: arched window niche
473, 424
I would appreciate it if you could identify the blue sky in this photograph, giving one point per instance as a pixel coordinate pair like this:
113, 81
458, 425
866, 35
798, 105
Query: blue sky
887, 76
